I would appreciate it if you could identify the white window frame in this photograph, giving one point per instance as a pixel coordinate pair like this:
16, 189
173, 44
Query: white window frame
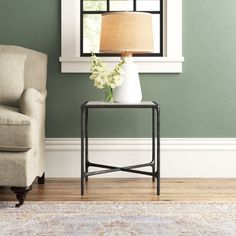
171, 62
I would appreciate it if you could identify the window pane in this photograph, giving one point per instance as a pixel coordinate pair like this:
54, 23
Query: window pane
91, 31
156, 32
121, 5
94, 5
148, 5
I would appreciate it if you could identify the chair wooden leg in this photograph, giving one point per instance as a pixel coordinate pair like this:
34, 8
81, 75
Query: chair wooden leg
21, 193
41, 180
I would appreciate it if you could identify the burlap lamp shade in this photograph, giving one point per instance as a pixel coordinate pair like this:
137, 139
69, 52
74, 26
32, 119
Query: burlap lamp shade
126, 32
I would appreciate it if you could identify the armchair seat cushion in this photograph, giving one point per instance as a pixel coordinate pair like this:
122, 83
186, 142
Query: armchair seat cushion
16, 130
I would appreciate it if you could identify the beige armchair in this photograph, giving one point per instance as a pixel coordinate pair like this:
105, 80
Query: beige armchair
23, 74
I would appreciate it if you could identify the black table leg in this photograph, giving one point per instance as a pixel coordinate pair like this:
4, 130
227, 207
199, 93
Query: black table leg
82, 148
158, 149
153, 144
86, 144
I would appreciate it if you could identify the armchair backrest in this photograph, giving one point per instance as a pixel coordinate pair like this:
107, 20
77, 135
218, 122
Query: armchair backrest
35, 66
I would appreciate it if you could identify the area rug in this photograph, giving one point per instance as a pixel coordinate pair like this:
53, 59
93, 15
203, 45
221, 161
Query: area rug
118, 218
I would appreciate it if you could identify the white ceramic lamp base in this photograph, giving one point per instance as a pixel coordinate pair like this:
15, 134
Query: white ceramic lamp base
130, 90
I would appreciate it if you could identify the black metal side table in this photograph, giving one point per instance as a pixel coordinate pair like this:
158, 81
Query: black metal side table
155, 161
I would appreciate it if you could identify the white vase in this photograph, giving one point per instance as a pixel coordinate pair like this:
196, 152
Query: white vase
130, 90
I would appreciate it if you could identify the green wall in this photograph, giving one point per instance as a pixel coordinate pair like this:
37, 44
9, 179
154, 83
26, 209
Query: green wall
200, 102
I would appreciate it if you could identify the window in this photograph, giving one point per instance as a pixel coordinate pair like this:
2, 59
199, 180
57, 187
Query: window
90, 23
80, 25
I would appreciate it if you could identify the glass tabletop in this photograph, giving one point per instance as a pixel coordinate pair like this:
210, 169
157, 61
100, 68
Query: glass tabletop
116, 104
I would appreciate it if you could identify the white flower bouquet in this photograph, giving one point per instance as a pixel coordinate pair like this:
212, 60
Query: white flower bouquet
105, 79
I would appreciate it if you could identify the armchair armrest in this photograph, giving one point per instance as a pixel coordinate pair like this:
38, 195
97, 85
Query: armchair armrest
31, 101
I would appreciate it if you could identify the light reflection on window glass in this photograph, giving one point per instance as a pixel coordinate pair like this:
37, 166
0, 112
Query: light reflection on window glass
91, 32
148, 5
94, 5
156, 32
121, 5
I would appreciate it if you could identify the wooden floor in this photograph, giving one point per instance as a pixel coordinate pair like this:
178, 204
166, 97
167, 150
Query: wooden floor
130, 190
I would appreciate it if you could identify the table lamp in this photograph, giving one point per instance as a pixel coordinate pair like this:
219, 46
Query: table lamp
127, 33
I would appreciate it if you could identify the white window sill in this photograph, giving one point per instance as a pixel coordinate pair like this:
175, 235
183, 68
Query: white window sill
145, 64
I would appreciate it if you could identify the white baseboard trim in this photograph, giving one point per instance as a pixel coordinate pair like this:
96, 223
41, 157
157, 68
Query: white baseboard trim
180, 157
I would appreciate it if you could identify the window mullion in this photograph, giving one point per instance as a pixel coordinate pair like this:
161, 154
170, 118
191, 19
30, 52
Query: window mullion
134, 5
108, 5
81, 27
161, 27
